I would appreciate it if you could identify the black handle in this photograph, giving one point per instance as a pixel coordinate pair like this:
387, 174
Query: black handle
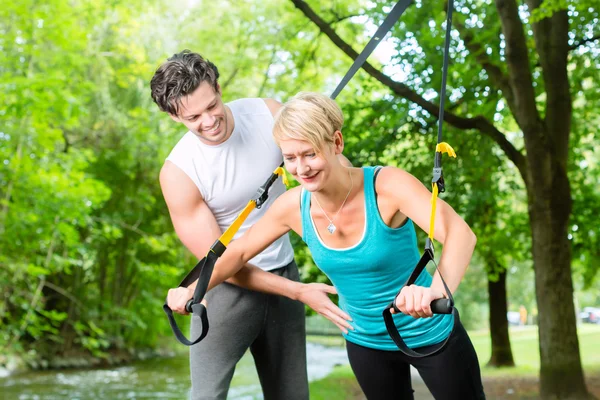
188, 305
438, 306
441, 306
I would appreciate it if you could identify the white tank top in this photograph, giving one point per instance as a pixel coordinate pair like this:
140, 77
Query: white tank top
228, 174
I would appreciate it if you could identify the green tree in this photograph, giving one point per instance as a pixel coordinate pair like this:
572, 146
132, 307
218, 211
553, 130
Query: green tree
519, 67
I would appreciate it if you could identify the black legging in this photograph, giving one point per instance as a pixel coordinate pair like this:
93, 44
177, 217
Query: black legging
451, 374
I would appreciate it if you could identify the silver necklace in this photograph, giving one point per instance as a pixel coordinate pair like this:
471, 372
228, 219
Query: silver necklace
331, 227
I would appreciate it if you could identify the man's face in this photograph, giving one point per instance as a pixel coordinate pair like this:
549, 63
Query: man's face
204, 114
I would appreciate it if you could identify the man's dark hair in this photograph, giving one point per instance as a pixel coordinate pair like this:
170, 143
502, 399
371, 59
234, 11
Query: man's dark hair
178, 77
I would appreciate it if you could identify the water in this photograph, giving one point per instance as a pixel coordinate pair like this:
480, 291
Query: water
151, 379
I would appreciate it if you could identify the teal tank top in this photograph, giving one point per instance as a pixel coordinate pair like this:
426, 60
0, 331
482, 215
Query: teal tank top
369, 274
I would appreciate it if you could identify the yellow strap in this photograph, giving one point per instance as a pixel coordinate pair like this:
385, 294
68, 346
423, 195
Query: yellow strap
233, 228
434, 195
444, 147
441, 147
281, 172
228, 235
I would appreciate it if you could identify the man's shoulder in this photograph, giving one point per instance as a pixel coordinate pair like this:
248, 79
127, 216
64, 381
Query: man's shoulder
171, 171
182, 146
244, 102
254, 106
173, 179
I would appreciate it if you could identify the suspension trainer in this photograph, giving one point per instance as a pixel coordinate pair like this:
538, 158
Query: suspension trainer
445, 305
203, 269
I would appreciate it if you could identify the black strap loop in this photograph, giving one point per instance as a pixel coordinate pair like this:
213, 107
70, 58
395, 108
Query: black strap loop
438, 306
395, 335
202, 271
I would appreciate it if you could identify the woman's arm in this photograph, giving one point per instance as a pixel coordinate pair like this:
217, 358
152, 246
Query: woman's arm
414, 200
271, 226
314, 295
258, 237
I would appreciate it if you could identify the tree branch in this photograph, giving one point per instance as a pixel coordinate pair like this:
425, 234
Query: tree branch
517, 60
497, 76
551, 37
65, 293
342, 18
266, 74
239, 48
583, 42
122, 225
228, 81
479, 123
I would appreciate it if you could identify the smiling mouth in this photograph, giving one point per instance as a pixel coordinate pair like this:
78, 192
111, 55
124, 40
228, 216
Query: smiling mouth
213, 129
307, 178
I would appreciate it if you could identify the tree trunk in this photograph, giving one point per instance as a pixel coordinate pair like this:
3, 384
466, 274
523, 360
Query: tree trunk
561, 374
501, 350
120, 271
102, 266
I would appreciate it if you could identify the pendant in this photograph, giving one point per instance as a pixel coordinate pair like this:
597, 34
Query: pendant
331, 228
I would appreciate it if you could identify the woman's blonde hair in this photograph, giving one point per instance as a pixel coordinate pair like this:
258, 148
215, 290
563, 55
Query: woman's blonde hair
310, 117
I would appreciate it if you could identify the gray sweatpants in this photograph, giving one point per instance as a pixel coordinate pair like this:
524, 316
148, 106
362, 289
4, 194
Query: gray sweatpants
272, 327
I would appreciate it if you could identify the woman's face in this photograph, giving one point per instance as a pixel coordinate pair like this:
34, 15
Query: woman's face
306, 166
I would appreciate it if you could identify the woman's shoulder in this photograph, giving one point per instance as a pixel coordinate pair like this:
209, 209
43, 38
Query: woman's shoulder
394, 180
290, 199
389, 173
286, 209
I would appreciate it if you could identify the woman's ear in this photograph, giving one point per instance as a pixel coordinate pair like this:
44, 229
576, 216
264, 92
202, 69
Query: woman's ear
338, 142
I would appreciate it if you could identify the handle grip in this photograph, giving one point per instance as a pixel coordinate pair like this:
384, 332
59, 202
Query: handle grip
188, 305
441, 306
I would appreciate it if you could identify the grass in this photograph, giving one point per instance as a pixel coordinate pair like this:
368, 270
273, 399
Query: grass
341, 384
525, 349
332, 341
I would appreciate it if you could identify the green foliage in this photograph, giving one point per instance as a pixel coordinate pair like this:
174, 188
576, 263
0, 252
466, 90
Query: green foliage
87, 250
85, 238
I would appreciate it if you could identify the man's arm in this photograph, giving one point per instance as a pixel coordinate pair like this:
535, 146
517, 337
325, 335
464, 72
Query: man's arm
198, 229
193, 221
257, 238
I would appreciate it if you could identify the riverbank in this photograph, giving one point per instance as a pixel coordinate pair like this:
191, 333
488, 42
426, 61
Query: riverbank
14, 363
155, 378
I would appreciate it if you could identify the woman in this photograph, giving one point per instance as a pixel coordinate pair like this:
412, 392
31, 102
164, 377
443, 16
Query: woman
359, 226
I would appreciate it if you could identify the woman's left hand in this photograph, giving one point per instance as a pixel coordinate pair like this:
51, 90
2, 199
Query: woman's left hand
416, 301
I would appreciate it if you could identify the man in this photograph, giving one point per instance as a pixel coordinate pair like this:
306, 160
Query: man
206, 181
